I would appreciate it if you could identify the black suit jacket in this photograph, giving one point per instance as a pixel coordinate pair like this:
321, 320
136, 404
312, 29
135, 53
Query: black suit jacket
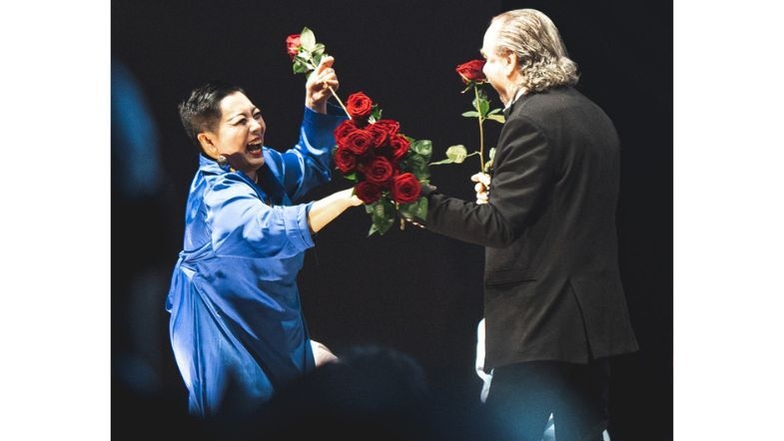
552, 284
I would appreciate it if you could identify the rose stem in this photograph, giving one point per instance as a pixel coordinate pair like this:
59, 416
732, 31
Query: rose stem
339, 102
481, 131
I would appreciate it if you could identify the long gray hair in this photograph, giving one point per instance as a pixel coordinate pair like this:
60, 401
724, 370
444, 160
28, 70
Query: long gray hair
544, 61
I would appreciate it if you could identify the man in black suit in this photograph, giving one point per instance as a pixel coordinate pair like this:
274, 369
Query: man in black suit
554, 305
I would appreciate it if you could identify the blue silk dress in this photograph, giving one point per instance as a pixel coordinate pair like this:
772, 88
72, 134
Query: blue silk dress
236, 326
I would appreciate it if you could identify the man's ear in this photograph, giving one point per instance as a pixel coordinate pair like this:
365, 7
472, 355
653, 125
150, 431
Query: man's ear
510, 63
207, 144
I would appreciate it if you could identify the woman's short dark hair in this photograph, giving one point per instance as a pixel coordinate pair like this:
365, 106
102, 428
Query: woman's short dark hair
201, 111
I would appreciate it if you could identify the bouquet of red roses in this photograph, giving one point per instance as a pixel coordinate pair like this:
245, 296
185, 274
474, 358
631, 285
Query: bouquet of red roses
389, 168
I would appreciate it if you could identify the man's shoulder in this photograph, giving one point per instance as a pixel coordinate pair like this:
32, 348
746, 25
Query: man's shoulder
555, 103
556, 97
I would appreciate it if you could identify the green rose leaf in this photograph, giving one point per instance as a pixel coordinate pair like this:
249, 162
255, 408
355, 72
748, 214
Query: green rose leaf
489, 163
497, 118
375, 114
318, 49
454, 154
484, 107
307, 39
299, 67
318, 53
417, 165
415, 210
382, 215
423, 147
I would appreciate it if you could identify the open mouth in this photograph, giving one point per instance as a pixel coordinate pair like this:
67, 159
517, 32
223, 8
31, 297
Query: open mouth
253, 148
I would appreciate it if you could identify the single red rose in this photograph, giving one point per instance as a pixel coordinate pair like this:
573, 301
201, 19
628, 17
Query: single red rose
405, 188
379, 133
400, 145
367, 192
471, 71
345, 160
358, 141
379, 170
292, 45
390, 125
359, 105
344, 128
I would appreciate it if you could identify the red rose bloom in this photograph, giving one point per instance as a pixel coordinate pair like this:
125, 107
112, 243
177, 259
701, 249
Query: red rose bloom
390, 125
399, 145
345, 160
379, 170
344, 128
292, 45
359, 105
405, 188
472, 71
367, 192
379, 133
358, 141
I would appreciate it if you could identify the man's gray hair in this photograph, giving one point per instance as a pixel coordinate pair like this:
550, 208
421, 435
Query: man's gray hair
543, 59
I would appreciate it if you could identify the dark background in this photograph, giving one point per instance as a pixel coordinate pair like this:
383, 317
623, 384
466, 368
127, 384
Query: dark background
410, 290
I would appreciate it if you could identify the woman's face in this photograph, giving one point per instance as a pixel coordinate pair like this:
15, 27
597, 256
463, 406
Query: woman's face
240, 133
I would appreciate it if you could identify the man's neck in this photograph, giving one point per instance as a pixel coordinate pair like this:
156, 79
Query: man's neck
520, 92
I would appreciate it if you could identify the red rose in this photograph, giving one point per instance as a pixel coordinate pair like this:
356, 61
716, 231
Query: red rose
379, 170
472, 71
344, 128
345, 160
358, 141
367, 192
359, 105
379, 133
399, 145
390, 125
292, 45
405, 188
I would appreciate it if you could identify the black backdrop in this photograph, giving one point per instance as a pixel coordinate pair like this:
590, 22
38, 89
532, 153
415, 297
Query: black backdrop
411, 290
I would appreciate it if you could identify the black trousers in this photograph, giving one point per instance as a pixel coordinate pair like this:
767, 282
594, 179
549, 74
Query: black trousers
523, 395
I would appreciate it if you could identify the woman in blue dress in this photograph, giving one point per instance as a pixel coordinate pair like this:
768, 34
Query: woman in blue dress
237, 329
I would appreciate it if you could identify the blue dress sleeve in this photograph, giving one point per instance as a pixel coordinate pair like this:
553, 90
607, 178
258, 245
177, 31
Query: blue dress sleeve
243, 225
309, 163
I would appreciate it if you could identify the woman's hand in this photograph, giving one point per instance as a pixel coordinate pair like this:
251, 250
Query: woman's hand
317, 88
325, 210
